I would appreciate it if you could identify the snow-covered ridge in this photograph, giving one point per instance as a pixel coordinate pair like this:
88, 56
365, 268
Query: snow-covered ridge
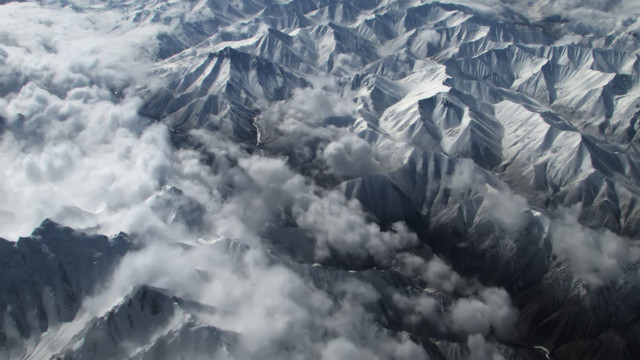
47, 275
400, 179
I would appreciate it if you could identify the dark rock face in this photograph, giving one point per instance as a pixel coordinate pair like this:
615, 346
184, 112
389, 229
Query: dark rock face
45, 276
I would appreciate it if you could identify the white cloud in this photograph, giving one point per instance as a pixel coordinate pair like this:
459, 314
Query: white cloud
74, 139
490, 311
343, 349
436, 273
418, 309
76, 150
275, 311
305, 112
340, 226
474, 309
508, 209
479, 349
351, 156
585, 16
597, 257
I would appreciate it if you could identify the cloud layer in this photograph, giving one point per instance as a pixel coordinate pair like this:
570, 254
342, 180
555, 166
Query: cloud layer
75, 148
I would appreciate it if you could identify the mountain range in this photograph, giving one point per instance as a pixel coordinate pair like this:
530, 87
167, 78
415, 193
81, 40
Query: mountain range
319, 179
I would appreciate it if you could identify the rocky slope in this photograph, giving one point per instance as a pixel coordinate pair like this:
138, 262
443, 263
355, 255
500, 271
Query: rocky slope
479, 156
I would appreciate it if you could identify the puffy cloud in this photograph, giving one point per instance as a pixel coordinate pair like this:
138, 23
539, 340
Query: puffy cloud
74, 143
351, 156
490, 311
340, 228
479, 349
507, 208
343, 349
436, 273
301, 127
307, 111
345, 64
65, 50
586, 17
596, 257
418, 309
76, 150
474, 309
274, 310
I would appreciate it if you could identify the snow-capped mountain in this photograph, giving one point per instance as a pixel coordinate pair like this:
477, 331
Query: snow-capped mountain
320, 179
